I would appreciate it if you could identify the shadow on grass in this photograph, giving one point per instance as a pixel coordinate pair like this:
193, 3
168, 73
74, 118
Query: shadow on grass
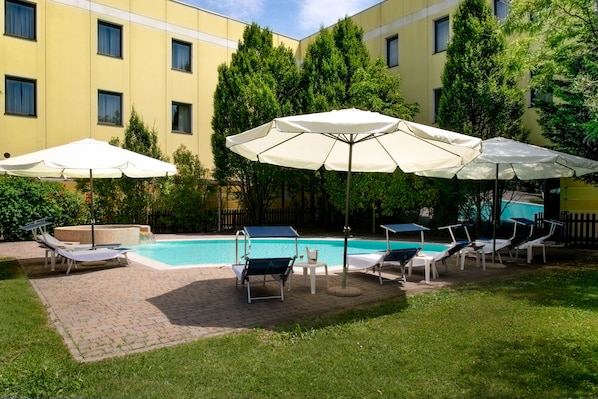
9, 268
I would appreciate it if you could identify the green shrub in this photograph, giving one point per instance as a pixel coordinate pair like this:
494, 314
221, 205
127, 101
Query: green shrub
23, 200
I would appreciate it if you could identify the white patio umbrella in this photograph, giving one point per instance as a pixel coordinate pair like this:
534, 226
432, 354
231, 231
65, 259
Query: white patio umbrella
87, 158
505, 159
352, 140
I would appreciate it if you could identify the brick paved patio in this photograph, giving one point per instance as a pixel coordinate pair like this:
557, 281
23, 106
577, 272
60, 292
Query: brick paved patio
108, 311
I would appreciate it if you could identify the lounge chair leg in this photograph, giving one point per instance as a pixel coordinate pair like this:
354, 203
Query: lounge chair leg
248, 292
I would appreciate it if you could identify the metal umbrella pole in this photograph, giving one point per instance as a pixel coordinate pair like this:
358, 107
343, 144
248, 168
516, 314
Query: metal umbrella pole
346, 228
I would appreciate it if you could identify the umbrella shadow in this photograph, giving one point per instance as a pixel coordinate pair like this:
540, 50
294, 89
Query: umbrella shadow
217, 303
35, 268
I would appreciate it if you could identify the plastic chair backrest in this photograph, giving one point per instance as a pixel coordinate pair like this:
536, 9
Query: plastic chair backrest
264, 266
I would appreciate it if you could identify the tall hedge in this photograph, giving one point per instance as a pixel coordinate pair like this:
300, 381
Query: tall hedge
23, 200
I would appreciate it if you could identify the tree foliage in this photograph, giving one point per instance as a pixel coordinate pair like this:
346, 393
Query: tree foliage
259, 84
338, 73
561, 42
480, 95
23, 200
188, 193
128, 200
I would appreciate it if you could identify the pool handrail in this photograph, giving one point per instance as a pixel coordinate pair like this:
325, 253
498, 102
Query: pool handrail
264, 232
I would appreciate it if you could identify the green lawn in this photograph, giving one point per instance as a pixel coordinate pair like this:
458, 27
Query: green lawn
533, 337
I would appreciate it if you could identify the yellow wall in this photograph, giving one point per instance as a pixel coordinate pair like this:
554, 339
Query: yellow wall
69, 72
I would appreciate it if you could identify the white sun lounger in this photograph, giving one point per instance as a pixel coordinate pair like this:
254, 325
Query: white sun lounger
377, 260
94, 255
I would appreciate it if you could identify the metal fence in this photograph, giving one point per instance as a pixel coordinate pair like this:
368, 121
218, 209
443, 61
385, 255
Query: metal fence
232, 219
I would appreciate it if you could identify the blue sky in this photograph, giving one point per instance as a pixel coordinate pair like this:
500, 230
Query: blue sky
293, 18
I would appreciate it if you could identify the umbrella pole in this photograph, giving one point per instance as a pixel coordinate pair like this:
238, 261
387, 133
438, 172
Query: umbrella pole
346, 228
93, 216
494, 214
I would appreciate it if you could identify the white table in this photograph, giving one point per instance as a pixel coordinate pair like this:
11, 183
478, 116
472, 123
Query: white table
312, 273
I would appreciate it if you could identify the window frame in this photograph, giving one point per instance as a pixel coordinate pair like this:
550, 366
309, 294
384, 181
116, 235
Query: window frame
500, 5
33, 7
9, 95
392, 42
535, 95
109, 53
178, 128
189, 48
120, 108
437, 24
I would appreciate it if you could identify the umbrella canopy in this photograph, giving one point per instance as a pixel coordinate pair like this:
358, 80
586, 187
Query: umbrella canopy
86, 158
352, 140
76, 160
505, 159
326, 139
516, 159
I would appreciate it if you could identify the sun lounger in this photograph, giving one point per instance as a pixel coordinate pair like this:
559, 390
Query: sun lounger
538, 242
484, 246
51, 243
94, 255
465, 246
263, 270
377, 260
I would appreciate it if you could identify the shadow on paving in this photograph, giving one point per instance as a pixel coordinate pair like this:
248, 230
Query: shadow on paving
219, 303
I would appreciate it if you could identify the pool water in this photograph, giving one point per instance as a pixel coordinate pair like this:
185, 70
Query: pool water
515, 209
222, 251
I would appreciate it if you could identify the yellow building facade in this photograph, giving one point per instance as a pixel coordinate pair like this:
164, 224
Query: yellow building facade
76, 68
84, 65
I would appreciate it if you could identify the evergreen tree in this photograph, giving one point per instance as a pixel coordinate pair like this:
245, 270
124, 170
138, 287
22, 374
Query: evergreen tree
339, 73
480, 94
259, 84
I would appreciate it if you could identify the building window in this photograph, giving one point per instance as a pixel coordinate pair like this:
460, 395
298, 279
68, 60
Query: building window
110, 108
109, 39
392, 51
19, 19
501, 9
181, 117
537, 96
20, 96
437, 94
181, 55
441, 34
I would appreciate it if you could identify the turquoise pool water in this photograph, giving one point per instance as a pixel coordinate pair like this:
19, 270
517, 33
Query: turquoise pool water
222, 251
516, 209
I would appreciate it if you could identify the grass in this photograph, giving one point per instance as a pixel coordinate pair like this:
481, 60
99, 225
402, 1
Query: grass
532, 337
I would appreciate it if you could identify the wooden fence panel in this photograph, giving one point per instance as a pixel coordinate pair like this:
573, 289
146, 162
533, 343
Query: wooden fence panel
580, 230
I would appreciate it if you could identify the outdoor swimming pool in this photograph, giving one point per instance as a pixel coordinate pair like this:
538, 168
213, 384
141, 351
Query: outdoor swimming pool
191, 253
